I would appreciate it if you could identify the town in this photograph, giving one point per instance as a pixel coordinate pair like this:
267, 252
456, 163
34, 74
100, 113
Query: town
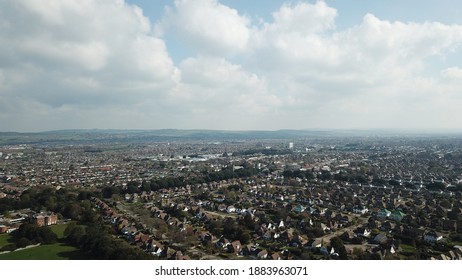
319, 197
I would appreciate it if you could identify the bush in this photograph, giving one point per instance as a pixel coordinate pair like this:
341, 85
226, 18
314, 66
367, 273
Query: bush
23, 242
9, 247
457, 237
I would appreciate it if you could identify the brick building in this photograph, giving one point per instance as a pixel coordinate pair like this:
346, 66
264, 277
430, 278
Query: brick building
45, 219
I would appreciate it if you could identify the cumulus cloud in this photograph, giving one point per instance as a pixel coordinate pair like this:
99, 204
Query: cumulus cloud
208, 26
345, 78
81, 52
218, 92
103, 63
302, 19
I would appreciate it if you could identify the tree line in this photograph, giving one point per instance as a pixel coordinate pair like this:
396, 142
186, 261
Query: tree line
174, 182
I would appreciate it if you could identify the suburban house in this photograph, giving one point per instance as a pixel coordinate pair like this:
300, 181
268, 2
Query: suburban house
432, 236
383, 213
360, 209
397, 216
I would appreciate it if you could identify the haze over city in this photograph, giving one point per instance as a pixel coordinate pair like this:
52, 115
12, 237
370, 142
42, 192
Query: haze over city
232, 65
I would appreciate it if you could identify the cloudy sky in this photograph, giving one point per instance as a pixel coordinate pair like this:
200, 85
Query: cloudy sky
224, 64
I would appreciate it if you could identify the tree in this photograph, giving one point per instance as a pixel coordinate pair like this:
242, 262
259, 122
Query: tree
325, 175
132, 188
6, 214
145, 186
72, 211
394, 183
51, 203
243, 236
287, 173
107, 192
358, 253
339, 247
76, 235
436, 186
23, 242
309, 175
9, 247
34, 234
445, 203
248, 222
70, 226
47, 235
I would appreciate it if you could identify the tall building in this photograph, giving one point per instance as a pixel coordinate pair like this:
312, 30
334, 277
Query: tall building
291, 145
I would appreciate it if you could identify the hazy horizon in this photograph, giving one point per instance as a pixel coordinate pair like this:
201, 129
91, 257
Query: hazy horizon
230, 65
339, 130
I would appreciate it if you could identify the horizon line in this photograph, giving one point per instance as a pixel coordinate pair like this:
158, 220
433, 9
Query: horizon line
388, 130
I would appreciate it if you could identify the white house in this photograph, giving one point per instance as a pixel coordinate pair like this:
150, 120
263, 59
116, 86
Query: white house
360, 210
231, 209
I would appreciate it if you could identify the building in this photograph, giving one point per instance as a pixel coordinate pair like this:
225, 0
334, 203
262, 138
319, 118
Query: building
383, 214
397, 216
3, 229
45, 219
432, 236
360, 209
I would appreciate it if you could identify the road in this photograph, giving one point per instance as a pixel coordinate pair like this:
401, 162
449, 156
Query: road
326, 238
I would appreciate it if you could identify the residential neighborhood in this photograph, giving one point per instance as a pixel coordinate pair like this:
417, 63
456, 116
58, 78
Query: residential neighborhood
311, 198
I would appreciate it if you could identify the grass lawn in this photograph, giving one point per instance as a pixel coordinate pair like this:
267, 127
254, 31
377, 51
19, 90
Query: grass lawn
4, 239
452, 244
407, 251
59, 230
58, 251
407, 248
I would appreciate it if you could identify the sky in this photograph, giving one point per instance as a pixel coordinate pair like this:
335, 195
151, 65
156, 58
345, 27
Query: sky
230, 64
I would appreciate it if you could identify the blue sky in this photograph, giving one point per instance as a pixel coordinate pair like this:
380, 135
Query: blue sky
195, 64
350, 12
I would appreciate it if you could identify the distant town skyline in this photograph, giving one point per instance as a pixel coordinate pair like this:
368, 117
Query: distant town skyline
230, 65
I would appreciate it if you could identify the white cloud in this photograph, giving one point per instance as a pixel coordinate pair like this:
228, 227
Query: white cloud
344, 78
452, 73
303, 18
297, 34
208, 26
99, 63
80, 53
216, 92
381, 44
104, 39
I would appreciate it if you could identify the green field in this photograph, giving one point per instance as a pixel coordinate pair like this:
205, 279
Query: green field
407, 248
59, 230
4, 239
56, 251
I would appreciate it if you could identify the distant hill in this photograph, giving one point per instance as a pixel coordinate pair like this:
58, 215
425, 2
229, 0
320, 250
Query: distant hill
75, 136
88, 136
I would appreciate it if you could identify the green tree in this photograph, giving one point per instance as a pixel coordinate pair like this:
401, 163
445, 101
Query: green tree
76, 235
72, 211
339, 247
358, 253
23, 242
47, 235
70, 226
